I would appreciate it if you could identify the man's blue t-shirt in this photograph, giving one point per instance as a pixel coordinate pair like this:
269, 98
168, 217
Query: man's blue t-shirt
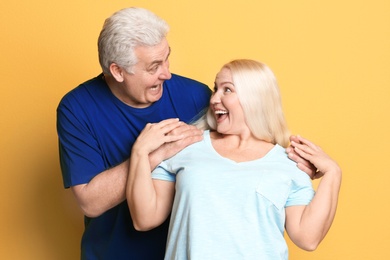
96, 132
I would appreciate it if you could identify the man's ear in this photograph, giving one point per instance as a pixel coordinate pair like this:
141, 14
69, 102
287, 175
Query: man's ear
116, 72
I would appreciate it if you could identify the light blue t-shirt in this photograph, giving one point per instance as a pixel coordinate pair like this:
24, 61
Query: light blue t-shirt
229, 210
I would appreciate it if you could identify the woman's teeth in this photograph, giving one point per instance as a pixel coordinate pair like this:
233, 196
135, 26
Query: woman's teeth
220, 112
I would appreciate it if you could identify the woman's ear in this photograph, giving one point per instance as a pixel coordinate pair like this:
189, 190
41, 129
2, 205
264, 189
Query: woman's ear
116, 72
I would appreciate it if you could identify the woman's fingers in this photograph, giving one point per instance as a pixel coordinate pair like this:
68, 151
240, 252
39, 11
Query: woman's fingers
315, 155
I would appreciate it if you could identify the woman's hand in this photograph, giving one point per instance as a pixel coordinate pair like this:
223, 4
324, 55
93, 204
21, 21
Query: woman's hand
182, 136
308, 225
156, 134
313, 154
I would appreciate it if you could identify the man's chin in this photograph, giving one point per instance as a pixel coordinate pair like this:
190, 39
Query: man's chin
155, 96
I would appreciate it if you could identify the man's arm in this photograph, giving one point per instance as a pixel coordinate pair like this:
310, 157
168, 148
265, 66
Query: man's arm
108, 188
103, 192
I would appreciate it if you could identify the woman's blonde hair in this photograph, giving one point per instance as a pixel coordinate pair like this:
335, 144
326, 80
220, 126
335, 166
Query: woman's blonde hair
258, 93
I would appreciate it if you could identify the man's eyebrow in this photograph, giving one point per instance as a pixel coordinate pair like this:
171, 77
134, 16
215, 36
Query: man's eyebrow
160, 61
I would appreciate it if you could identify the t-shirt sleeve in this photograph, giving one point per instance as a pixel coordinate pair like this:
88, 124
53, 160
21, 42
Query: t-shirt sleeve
301, 190
80, 156
164, 172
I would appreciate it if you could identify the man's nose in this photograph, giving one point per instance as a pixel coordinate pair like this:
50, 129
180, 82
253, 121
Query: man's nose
165, 73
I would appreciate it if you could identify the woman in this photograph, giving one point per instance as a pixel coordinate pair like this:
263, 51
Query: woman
236, 190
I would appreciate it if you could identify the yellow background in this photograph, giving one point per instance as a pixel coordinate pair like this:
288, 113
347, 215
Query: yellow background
332, 60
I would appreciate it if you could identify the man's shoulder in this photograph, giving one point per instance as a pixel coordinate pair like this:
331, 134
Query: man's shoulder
83, 90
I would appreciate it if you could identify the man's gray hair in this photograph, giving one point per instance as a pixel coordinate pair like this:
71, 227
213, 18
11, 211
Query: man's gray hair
123, 32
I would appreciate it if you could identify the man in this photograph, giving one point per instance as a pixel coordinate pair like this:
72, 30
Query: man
99, 121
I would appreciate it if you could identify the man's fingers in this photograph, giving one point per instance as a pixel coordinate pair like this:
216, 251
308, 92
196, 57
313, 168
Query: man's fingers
165, 126
308, 143
302, 149
302, 162
185, 130
173, 131
294, 138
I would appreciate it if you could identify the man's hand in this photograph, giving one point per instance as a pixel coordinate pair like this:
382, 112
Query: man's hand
302, 163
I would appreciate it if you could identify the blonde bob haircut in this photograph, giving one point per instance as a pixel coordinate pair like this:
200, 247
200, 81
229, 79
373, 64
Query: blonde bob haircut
259, 96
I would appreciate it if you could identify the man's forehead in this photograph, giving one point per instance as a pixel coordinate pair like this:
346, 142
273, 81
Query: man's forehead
150, 54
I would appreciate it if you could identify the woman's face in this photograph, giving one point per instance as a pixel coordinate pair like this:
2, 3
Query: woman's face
226, 106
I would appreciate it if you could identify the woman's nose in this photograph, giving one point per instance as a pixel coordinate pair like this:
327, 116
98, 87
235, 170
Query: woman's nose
215, 98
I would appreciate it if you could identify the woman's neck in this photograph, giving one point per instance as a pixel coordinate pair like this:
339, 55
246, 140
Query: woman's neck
240, 148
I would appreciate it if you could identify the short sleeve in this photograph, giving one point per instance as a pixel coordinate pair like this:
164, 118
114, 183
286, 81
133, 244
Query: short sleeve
301, 190
80, 156
161, 172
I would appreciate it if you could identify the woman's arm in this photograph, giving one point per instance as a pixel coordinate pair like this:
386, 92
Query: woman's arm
308, 225
150, 201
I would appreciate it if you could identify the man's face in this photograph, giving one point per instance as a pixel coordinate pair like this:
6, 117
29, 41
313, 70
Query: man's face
144, 86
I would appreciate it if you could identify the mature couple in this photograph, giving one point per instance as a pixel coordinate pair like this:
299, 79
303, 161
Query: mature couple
226, 180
